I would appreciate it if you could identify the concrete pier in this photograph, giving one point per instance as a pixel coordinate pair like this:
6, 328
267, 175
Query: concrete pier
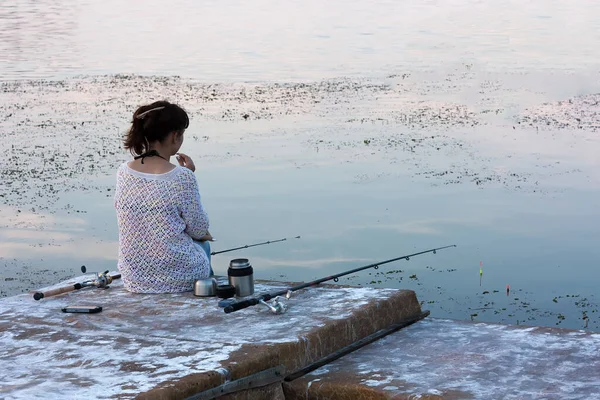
175, 346
334, 342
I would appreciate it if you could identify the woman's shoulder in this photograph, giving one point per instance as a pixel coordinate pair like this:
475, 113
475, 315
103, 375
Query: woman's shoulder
177, 173
182, 177
185, 173
122, 168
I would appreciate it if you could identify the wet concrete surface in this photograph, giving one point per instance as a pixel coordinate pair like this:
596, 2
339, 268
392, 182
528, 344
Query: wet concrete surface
176, 345
449, 359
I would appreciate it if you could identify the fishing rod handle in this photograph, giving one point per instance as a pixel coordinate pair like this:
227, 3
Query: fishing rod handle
54, 292
241, 305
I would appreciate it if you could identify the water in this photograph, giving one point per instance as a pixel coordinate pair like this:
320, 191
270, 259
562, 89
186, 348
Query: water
295, 40
363, 175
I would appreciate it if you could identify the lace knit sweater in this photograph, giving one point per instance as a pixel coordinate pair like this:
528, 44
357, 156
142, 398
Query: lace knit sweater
158, 216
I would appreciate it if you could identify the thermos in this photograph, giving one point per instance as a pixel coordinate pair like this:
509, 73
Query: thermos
241, 277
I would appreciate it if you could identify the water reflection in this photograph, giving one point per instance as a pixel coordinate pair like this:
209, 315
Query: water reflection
542, 246
42, 236
38, 38
351, 205
268, 40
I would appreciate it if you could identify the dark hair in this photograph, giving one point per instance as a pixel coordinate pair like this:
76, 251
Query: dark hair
153, 122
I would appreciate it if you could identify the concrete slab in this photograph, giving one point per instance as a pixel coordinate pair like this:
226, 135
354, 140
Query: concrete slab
173, 346
447, 359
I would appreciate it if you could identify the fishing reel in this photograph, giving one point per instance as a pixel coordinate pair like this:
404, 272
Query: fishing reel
277, 306
102, 279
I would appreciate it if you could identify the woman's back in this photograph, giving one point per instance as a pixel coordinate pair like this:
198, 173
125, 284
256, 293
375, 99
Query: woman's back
159, 215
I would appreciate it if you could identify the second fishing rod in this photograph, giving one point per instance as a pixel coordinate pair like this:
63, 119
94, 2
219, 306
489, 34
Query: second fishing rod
251, 245
287, 292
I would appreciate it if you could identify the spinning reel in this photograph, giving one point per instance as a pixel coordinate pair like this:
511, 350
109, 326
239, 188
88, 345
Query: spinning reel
277, 306
101, 281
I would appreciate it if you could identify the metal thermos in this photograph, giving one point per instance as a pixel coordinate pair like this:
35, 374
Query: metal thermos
241, 277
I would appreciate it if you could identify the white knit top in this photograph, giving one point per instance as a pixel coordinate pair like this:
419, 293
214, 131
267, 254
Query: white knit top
158, 215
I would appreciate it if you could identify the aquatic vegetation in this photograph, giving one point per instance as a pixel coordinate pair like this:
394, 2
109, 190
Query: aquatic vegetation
62, 139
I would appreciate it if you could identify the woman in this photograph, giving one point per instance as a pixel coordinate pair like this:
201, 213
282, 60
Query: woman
163, 227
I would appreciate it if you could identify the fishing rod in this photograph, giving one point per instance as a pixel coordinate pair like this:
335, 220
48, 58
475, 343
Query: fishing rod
279, 308
101, 281
251, 245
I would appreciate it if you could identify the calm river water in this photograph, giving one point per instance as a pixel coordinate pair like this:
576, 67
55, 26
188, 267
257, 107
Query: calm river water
471, 123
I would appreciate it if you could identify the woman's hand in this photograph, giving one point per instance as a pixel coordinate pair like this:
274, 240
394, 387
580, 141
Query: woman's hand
207, 237
185, 161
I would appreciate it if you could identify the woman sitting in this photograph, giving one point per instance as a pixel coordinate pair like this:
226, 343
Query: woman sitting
163, 227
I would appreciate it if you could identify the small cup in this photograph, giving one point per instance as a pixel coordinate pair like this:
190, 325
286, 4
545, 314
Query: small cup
205, 287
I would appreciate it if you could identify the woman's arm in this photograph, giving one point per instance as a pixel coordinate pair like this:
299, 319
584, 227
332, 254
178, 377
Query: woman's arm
192, 211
